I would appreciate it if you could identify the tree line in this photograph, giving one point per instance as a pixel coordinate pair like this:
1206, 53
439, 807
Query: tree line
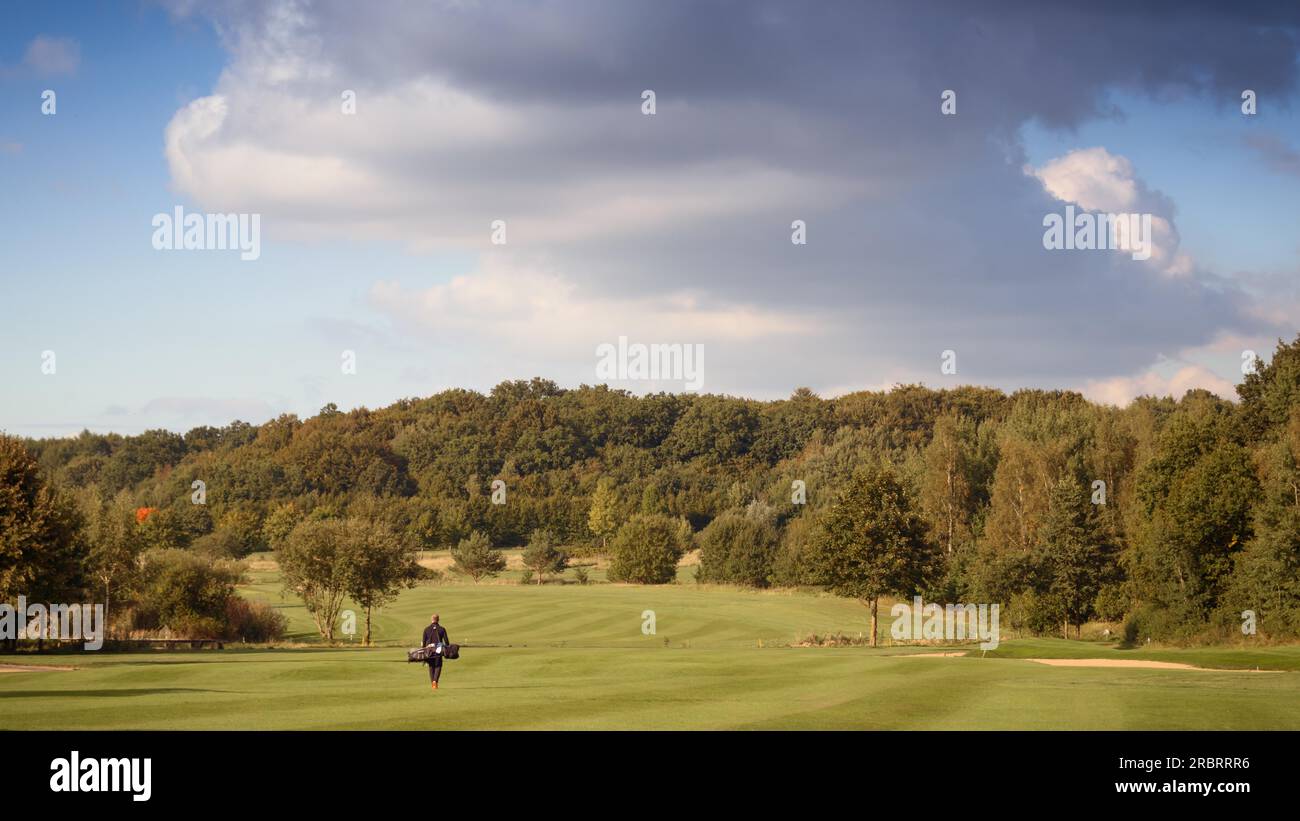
1174, 516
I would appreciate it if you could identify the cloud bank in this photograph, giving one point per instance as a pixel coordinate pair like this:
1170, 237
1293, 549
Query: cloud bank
923, 230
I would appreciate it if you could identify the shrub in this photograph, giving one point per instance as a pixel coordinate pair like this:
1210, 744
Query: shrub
527, 576
221, 544
542, 556
1130, 631
791, 565
475, 557
646, 550
1158, 624
581, 575
834, 640
738, 548
254, 622
189, 592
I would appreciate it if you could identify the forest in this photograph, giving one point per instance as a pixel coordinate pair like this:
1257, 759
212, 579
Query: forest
1172, 517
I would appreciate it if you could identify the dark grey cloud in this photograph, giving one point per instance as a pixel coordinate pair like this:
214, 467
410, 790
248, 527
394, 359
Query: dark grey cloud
924, 230
1047, 60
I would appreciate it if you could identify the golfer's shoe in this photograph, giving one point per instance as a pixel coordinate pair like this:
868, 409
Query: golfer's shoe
433, 685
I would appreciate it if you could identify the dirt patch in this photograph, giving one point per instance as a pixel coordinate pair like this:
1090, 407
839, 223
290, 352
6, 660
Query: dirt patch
1139, 664
435, 562
442, 561
30, 668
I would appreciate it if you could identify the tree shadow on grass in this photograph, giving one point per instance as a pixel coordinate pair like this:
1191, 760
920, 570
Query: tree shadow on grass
115, 693
466, 687
165, 657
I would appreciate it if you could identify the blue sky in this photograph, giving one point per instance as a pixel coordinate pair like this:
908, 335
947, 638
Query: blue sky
1233, 210
128, 324
924, 231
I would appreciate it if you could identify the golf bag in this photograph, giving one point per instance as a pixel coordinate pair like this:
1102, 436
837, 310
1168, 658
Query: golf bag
419, 654
447, 651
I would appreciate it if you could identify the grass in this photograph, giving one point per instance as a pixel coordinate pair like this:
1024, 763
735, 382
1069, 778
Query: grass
574, 657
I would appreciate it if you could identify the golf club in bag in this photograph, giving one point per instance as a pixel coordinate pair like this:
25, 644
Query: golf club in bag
447, 651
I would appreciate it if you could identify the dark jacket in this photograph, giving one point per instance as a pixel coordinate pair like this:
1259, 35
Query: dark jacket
435, 633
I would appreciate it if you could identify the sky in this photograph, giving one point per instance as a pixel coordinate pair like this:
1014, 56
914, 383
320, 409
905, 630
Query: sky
924, 229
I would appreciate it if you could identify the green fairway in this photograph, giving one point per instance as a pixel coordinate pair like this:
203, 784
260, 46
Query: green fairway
574, 657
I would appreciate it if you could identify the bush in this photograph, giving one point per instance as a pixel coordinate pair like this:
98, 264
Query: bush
1131, 629
791, 565
581, 575
475, 557
739, 548
646, 550
189, 593
192, 596
1158, 624
542, 556
196, 627
222, 544
254, 622
527, 576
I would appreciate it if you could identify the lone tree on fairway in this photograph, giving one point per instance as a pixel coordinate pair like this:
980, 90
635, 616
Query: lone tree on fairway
872, 544
379, 565
475, 557
542, 556
316, 564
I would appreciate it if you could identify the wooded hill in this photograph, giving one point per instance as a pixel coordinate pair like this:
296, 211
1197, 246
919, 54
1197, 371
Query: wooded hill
1198, 518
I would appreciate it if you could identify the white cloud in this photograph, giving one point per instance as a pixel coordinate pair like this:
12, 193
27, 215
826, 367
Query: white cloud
53, 56
1097, 180
534, 310
1093, 178
1121, 390
430, 165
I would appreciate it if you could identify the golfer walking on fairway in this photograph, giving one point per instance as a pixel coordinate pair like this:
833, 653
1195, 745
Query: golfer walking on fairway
436, 635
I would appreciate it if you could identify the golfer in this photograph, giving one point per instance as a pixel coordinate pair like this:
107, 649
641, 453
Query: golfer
435, 635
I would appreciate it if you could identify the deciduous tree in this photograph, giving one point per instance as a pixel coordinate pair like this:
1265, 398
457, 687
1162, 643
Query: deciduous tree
872, 543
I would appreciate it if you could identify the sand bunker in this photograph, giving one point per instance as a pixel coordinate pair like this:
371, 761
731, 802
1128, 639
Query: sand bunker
1133, 664
30, 668
1139, 663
